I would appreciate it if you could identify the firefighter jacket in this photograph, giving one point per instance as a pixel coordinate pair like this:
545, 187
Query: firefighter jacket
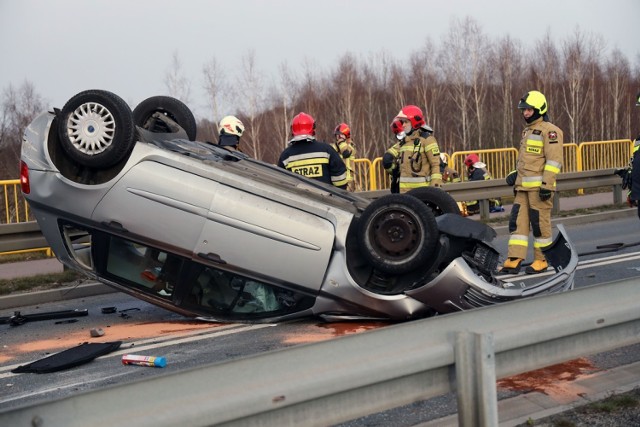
449, 174
347, 150
316, 160
418, 159
540, 156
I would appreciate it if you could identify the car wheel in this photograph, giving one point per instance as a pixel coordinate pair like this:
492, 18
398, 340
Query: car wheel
437, 199
174, 109
397, 234
96, 129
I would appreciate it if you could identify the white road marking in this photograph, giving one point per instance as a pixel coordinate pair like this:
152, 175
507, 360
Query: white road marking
153, 343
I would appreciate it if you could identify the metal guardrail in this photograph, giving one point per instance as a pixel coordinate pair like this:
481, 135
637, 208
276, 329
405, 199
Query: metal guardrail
21, 236
342, 379
495, 188
27, 235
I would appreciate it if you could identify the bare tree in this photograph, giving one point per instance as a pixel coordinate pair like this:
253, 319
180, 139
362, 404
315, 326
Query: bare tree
478, 51
507, 63
251, 92
452, 61
616, 91
427, 84
177, 84
18, 107
580, 55
215, 86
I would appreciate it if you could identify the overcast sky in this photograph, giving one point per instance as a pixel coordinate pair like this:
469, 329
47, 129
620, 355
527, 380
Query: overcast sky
65, 46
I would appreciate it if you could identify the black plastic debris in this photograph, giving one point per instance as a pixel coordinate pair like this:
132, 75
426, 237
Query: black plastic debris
69, 358
19, 319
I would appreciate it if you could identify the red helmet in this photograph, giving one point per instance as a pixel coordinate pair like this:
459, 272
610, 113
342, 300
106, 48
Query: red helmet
303, 124
342, 129
471, 160
413, 114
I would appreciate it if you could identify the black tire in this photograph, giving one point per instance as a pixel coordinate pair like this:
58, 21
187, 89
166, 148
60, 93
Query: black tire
397, 234
437, 199
173, 108
96, 129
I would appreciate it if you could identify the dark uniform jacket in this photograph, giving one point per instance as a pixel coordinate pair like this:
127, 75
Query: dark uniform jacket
316, 160
635, 172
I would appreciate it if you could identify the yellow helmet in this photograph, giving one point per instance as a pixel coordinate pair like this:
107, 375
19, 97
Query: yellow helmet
231, 125
535, 100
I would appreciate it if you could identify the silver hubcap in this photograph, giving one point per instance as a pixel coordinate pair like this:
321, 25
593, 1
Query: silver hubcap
91, 128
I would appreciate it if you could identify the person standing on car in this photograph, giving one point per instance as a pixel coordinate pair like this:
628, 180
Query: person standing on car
311, 158
347, 149
539, 161
391, 157
419, 156
230, 130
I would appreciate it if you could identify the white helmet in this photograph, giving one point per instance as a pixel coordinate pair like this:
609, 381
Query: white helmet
443, 158
231, 125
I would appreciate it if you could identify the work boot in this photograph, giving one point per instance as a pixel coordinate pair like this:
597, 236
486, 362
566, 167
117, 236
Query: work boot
538, 266
512, 266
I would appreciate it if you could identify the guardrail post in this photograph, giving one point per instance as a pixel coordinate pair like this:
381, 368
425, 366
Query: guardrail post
555, 209
617, 194
476, 380
484, 209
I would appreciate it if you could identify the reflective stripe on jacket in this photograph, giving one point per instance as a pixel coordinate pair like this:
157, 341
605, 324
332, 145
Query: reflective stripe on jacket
316, 160
540, 156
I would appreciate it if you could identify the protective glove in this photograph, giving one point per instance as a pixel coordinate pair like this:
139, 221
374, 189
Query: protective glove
545, 194
511, 178
625, 174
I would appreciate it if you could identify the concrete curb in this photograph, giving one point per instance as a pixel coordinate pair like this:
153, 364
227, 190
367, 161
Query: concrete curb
53, 295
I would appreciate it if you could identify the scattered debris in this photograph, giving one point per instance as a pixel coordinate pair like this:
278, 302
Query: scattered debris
69, 358
96, 332
18, 318
60, 322
108, 310
152, 361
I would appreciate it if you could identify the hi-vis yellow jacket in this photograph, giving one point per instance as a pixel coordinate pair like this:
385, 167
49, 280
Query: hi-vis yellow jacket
419, 161
540, 156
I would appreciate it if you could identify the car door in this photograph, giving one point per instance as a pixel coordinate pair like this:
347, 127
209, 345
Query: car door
159, 202
255, 233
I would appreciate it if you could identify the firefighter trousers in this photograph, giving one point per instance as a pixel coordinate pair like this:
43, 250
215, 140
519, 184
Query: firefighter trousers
530, 214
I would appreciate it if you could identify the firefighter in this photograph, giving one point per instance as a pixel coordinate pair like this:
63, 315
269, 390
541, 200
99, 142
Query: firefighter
448, 174
309, 157
230, 130
634, 194
391, 157
347, 149
477, 171
419, 156
539, 161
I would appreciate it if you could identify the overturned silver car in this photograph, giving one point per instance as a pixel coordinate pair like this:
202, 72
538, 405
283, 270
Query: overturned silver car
132, 200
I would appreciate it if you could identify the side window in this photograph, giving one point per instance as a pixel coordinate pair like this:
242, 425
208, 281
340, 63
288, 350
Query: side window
225, 294
145, 268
